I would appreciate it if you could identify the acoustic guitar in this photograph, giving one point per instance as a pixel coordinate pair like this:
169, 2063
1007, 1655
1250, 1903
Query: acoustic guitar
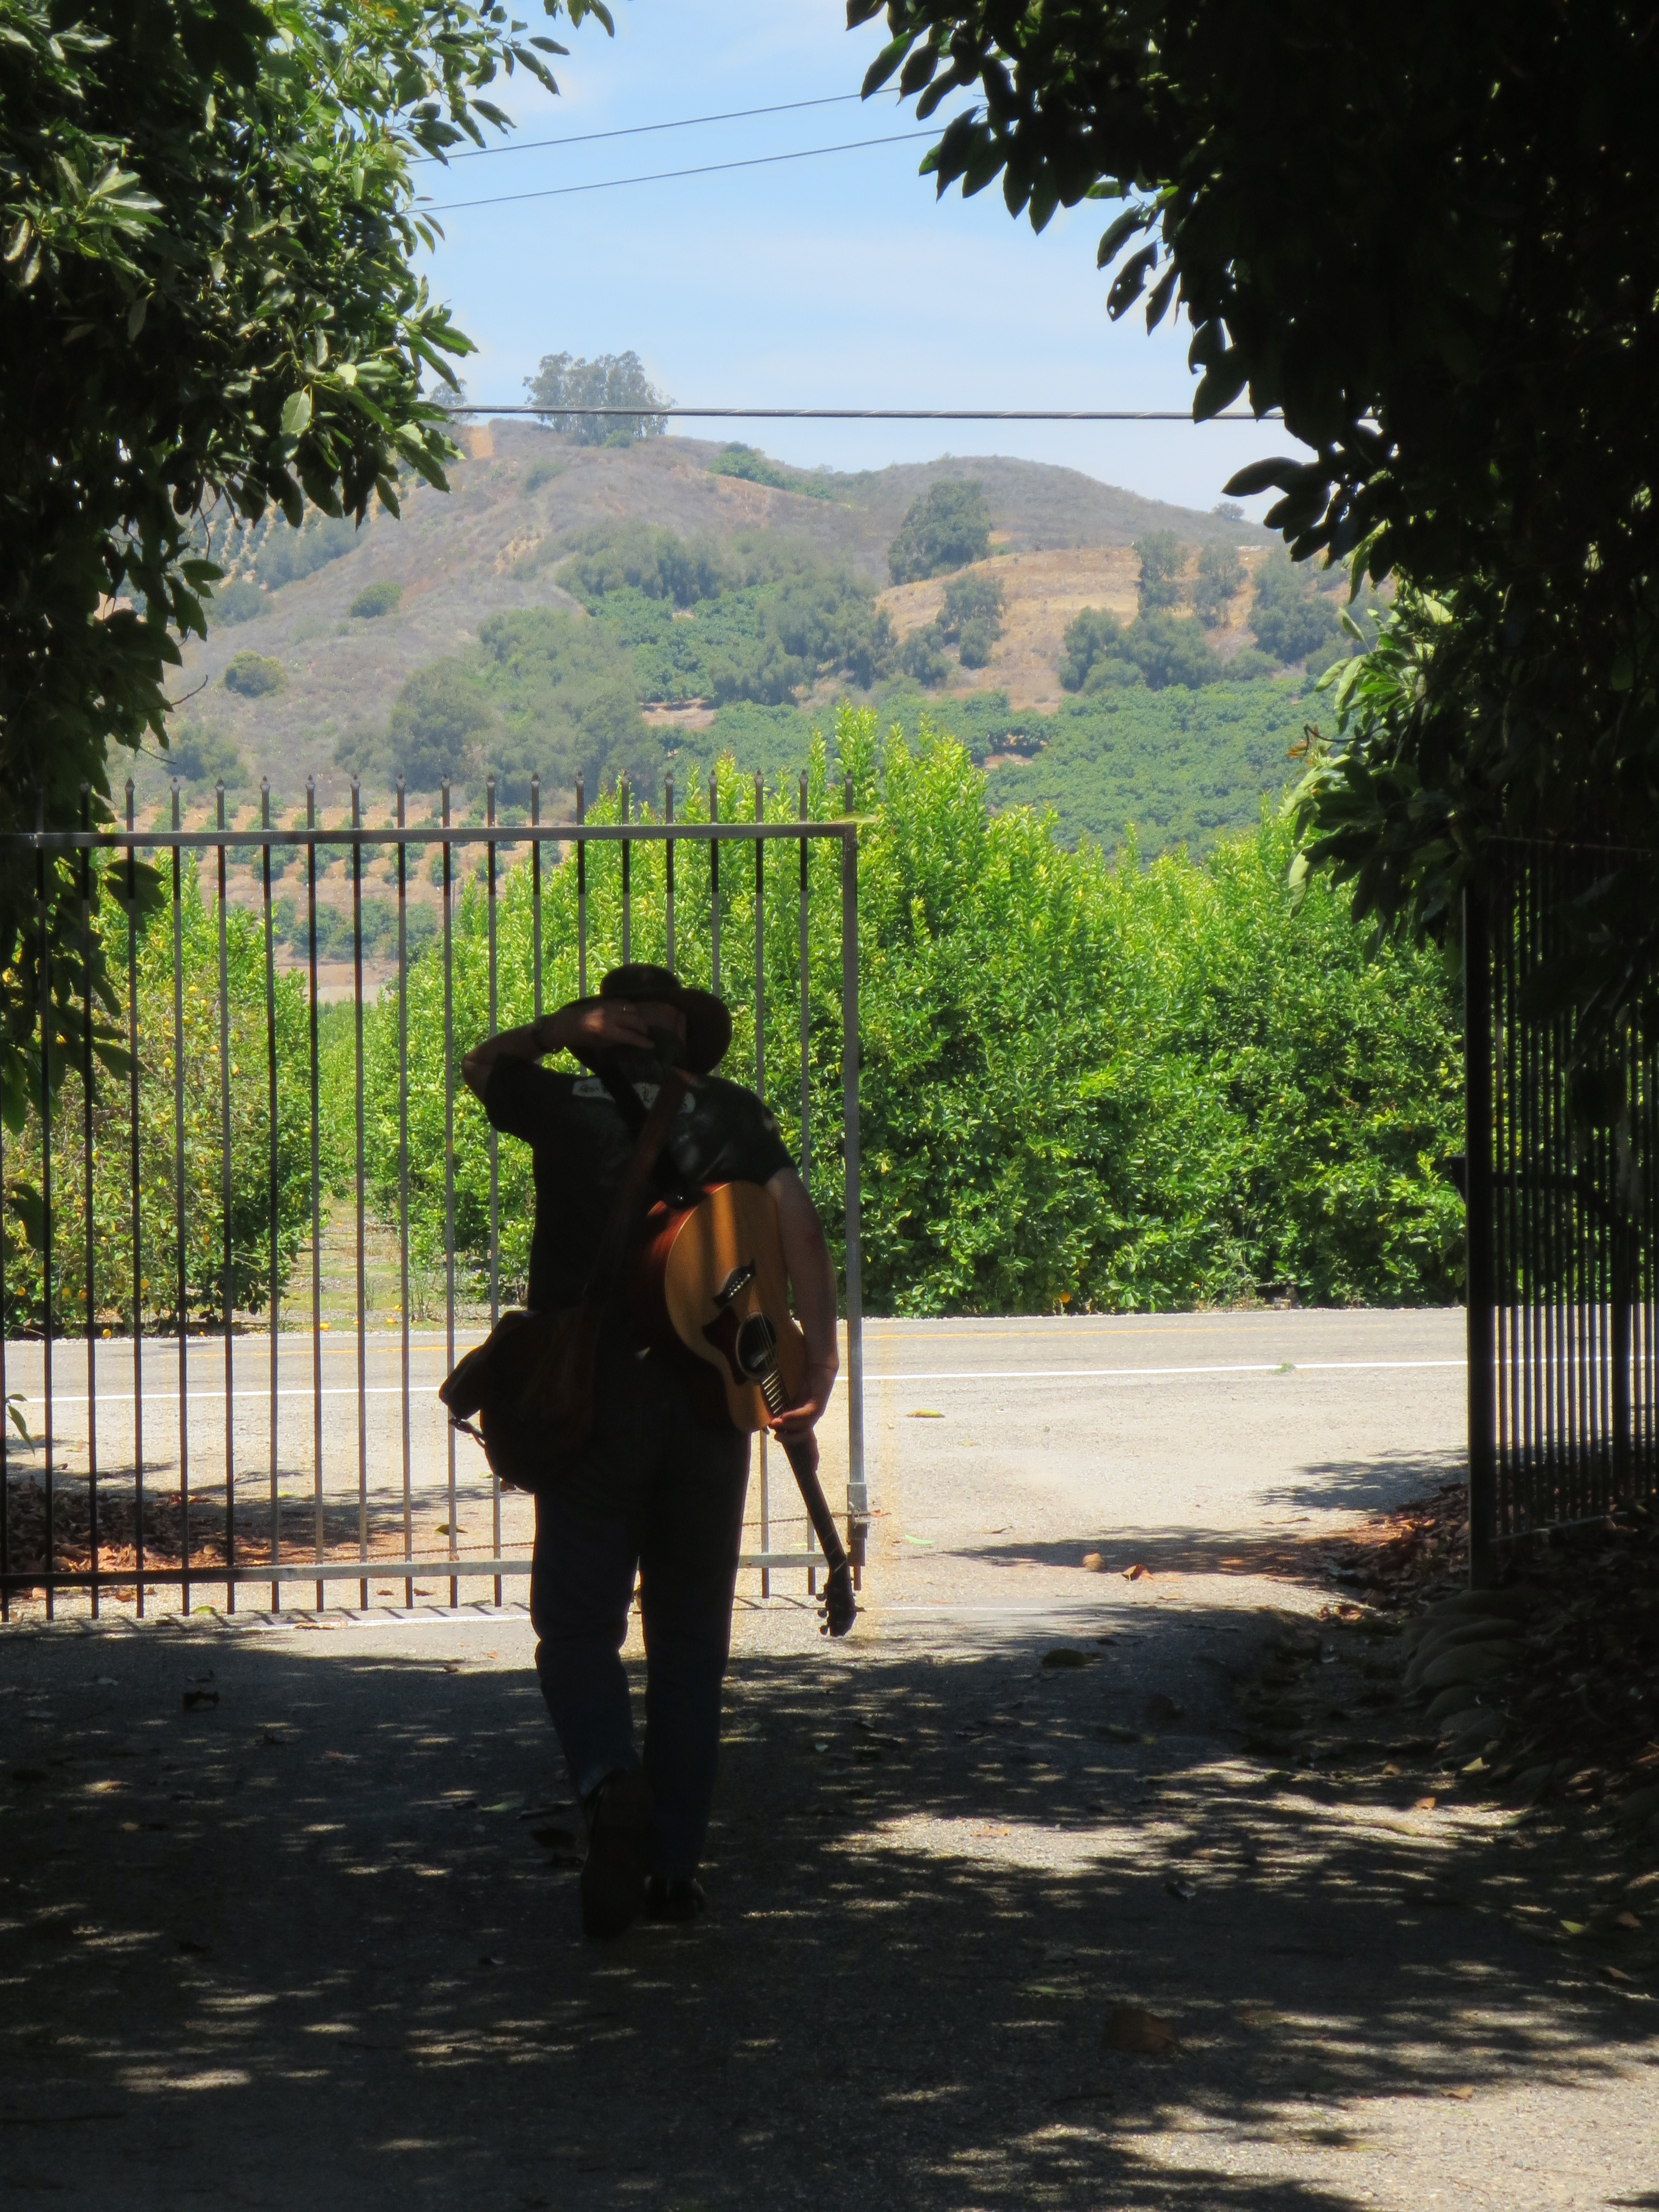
711, 1282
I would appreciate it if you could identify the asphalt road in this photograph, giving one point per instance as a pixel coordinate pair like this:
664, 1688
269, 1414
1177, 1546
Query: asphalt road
320, 1936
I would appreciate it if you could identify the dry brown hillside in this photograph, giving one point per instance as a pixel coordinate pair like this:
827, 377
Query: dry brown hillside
1043, 593
491, 544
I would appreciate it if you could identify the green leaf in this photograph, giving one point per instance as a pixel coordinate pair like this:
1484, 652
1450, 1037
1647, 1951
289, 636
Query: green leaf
1123, 228
296, 412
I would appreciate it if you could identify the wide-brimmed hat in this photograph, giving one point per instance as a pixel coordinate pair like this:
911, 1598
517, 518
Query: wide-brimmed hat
707, 1024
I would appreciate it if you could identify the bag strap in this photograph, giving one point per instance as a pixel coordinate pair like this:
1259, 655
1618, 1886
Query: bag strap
608, 1259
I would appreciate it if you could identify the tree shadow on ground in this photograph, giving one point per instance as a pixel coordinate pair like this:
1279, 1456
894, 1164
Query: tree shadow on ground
323, 1934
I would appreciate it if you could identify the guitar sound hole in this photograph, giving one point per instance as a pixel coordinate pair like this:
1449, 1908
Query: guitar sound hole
755, 1345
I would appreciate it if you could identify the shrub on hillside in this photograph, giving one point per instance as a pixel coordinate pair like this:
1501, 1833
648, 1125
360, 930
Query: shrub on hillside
1220, 579
948, 527
1094, 634
207, 757
971, 617
921, 657
377, 600
253, 675
1292, 619
751, 467
1163, 557
437, 724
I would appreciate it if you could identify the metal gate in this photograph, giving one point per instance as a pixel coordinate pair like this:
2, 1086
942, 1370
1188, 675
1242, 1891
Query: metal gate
198, 1416
1562, 1216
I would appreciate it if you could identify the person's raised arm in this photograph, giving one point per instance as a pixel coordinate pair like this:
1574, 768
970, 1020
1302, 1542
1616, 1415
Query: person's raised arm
584, 1029
812, 1278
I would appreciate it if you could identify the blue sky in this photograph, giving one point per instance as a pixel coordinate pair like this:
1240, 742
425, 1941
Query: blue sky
839, 281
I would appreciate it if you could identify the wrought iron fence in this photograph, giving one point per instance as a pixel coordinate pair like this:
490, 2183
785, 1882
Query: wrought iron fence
178, 1198
1563, 1221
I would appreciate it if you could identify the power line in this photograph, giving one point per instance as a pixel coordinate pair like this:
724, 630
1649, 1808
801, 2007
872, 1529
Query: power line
635, 129
664, 176
888, 414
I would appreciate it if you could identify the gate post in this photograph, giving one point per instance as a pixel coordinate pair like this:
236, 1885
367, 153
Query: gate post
1478, 1287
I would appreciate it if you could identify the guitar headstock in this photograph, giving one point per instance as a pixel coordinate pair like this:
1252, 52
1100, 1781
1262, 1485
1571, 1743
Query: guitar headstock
838, 1608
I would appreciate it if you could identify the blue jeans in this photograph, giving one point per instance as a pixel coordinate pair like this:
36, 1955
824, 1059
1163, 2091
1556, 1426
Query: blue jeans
652, 1491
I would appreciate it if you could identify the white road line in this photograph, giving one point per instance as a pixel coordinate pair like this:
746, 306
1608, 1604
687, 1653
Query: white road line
924, 1374
1112, 1374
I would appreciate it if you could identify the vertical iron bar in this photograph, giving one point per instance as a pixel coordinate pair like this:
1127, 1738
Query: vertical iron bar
135, 1164
181, 1284
623, 797
494, 1173
1478, 1213
713, 886
805, 1017
536, 898
5, 1424
47, 1439
581, 895
273, 1191
1505, 921
449, 1170
760, 941
806, 1082
316, 1202
94, 1533
760, 1093
858, 1496
363, 1256
668, 876
227, 1290
403, 1190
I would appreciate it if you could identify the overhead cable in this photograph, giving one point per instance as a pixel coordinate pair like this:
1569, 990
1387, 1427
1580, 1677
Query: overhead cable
664, 176
635, 129
888, 414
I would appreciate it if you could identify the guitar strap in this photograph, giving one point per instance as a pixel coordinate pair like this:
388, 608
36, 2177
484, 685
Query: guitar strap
651, 1135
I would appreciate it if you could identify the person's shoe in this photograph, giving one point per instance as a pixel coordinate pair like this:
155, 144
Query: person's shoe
613, 1872
677, 1897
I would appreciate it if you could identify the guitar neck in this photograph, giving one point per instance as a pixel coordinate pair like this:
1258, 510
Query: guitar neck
817, 1505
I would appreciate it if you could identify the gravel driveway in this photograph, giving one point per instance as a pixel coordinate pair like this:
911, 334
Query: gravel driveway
288, 1913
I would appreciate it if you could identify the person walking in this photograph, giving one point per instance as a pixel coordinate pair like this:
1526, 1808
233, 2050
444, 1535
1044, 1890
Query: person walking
653, 1493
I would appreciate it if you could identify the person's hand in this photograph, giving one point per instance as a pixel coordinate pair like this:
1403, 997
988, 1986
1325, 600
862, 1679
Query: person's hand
795, 1424
591, 1031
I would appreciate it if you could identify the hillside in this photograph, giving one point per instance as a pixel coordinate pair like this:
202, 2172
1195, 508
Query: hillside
488, 547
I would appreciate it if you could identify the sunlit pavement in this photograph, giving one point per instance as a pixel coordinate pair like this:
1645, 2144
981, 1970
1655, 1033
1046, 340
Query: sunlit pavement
291, 1908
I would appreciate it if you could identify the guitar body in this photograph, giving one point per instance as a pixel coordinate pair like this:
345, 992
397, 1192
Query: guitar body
711, 1283
691, 1254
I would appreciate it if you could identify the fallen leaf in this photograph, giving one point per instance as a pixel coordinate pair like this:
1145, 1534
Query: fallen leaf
1182, 1889
925, 1413
1141, 2034
1093, 1561
1136, 1573
1575, 1927
485, 1959
1614, 1974
992, 1831
1463, 2094
1423, 1805
1626, 1920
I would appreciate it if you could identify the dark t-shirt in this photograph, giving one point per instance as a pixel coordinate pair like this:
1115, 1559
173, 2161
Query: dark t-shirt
581, 1147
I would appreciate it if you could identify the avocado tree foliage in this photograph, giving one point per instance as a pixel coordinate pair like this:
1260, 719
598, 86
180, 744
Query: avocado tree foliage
1430, 239
208, 224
